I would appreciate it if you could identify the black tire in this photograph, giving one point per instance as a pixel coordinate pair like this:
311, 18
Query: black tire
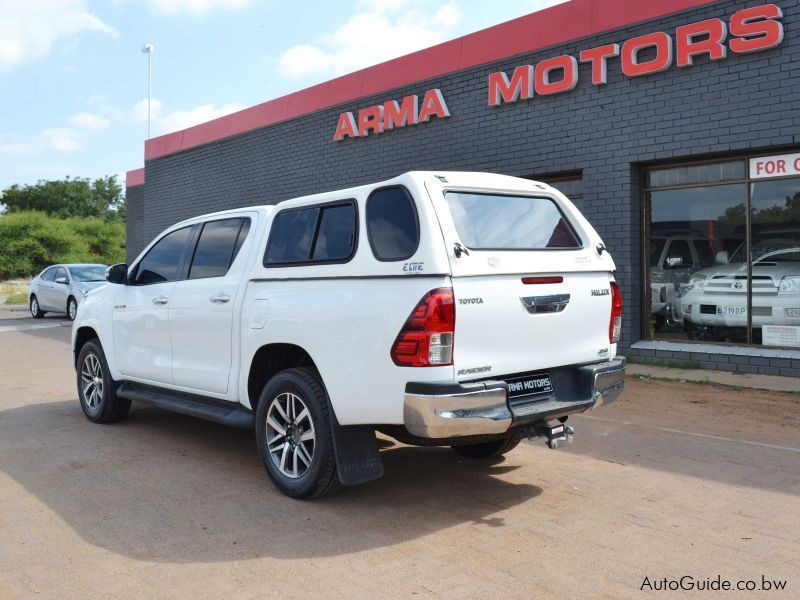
70, 313
489, 449
36, 310
319, 477
105, 406
660, 321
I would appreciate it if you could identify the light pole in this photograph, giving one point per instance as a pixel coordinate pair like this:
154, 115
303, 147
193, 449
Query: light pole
148, 49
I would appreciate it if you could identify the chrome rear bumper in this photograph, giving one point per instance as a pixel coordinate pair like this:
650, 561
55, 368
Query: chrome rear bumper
484, 408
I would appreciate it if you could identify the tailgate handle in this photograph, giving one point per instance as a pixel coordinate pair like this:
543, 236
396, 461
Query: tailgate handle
545, 304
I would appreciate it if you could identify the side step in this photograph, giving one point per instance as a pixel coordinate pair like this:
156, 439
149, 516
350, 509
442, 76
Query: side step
218, 411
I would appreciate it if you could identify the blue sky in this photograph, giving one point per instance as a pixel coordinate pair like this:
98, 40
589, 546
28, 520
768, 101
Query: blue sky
73, 80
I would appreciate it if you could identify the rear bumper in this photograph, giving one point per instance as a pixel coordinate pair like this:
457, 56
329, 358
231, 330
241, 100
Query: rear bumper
433, 410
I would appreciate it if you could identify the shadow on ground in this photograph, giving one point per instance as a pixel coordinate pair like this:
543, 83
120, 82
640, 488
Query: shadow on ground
167, 488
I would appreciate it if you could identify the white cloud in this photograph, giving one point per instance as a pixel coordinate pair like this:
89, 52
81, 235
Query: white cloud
30, 28
378, 33
175, 120
60, 139
86, 120
197, 7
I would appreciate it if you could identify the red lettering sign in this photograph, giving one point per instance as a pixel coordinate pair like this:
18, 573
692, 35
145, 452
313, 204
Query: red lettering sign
391, 115
520, 86
633, 67
712, 34
756, 29
544, 86
599, 58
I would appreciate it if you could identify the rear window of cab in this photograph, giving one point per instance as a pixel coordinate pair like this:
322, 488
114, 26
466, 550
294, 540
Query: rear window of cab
508, 222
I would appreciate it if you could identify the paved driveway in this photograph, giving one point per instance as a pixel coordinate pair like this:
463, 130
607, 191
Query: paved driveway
673, 480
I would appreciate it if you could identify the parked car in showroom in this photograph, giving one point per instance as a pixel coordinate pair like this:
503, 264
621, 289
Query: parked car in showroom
714, 304
467, 310
673, 260
61, 288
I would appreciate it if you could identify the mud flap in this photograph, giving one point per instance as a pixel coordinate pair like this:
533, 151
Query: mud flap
357, 458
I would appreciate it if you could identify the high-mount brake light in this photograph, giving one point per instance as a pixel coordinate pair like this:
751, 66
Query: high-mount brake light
615, 326
426, 339
541, 280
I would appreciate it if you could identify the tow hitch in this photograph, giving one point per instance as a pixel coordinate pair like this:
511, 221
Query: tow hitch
558, 434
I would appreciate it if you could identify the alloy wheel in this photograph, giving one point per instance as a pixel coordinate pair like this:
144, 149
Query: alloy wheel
92, 382
73, 309
34, 307
291, 438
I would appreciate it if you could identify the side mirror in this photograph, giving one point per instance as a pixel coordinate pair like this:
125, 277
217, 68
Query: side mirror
674, 262
722, 257
62, 280
117, 274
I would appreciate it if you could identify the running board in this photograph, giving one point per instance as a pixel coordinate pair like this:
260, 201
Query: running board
218, 411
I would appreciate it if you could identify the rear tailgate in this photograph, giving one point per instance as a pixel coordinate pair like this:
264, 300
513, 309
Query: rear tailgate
523, 311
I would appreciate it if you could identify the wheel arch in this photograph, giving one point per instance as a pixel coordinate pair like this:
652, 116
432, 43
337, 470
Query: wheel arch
83, 335
269, 360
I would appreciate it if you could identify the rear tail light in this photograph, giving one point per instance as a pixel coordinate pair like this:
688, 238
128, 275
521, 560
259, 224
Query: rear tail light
426, 339
615, 326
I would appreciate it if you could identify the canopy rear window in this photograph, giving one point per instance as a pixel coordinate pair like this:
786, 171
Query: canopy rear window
505, 222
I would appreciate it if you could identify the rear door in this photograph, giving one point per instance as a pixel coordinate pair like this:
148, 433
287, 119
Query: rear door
533, 292
201, 309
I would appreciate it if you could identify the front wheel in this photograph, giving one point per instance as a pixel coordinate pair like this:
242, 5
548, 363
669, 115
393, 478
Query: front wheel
489, 449
72, 308
36, 310
294, 436
96, 389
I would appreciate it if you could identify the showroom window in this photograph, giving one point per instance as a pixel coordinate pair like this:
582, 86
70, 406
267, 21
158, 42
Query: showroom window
722, 241
569, 185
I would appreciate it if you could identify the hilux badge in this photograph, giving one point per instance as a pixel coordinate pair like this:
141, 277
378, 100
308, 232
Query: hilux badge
601, 292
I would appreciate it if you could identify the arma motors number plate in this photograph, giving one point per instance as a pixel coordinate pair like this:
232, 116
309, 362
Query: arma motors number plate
530, 385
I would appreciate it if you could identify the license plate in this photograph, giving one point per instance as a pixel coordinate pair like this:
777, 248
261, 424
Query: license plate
731, 311
530, 385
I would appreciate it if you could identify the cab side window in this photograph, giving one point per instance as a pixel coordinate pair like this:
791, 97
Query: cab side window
313, 235
217, 247
392, 224
161, 262
49, 274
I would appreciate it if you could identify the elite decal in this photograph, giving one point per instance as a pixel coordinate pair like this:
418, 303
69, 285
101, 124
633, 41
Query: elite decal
749, 30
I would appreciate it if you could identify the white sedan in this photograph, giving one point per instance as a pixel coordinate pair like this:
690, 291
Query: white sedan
61, 288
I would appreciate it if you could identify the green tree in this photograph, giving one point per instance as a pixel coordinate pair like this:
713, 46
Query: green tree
102, 198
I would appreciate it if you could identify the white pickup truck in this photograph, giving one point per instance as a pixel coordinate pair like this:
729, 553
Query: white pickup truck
450, 309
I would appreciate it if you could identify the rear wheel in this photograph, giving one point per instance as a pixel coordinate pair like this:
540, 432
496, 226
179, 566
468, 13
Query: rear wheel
36, 310
489, 449
294, 436
72, 308
96, 389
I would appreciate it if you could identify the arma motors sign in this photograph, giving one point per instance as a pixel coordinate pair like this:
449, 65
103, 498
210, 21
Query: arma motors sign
391, 114
749, 30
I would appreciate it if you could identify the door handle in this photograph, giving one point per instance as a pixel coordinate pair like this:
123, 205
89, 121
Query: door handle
220, 298
546, 304
162, 299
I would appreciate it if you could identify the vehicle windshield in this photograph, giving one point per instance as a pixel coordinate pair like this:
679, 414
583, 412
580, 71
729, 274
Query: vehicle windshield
656, 247
499, 222
775, 248
89, 273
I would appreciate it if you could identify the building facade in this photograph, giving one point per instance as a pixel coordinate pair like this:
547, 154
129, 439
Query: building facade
674, 126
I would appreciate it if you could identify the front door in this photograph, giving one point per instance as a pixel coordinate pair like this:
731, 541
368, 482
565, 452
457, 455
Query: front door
142, 344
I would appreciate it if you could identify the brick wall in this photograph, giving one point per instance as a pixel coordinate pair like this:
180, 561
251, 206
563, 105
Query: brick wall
135, 224
746, 102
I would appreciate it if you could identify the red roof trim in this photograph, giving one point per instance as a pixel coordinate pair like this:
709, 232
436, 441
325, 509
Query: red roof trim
135, 177
549, 27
